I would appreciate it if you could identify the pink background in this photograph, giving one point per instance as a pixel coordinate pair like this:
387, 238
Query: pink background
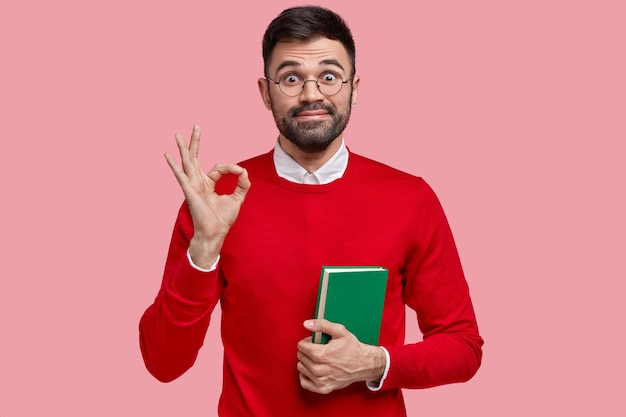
514, 111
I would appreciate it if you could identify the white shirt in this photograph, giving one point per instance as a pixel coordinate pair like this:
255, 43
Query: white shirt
289, 169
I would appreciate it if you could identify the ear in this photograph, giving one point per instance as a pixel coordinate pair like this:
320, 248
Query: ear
265, 92
355, 89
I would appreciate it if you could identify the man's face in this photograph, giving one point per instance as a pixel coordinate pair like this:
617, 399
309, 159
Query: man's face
311, 121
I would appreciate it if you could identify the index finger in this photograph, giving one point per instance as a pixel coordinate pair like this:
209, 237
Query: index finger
219, 170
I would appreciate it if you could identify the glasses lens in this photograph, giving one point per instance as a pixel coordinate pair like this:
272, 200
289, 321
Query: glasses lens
329, 83
291, 84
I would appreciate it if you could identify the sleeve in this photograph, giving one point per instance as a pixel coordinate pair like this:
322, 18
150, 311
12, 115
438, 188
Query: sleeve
436, 289
172, 329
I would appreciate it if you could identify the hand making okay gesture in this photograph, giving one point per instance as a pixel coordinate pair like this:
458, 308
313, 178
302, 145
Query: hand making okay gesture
212, 214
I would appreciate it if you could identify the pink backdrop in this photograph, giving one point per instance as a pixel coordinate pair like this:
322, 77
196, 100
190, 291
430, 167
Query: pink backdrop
514, 111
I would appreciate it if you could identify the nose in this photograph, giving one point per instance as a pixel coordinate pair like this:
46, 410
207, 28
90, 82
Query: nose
310, 92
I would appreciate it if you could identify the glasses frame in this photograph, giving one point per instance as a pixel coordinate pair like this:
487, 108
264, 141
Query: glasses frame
316, 81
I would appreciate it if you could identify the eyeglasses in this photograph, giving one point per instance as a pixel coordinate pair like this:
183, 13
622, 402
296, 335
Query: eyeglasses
328, 83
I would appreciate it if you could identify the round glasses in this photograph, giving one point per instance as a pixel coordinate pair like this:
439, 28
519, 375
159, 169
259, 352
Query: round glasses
328, 83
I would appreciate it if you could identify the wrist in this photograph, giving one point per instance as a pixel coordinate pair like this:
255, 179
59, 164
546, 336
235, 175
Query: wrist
378, 363
376, 385
204, 252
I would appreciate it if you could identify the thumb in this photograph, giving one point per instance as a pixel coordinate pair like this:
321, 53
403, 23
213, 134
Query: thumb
325, 326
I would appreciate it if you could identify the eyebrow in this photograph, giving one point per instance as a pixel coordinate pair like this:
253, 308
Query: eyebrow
298, 64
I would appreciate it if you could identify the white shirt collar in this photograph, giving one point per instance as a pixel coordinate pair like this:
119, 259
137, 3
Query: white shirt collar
289, 169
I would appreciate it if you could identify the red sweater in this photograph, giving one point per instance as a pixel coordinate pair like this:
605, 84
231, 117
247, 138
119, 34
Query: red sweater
267, 281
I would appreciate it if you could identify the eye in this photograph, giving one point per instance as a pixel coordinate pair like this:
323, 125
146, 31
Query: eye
290, 79
329, 77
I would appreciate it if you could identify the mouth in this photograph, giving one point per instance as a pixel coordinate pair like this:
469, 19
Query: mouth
312, 115
315, 112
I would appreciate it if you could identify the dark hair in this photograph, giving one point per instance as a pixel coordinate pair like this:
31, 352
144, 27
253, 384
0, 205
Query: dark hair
307, 23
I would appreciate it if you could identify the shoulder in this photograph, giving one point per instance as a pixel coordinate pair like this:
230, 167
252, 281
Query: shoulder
386, 180
366, 168
259, 162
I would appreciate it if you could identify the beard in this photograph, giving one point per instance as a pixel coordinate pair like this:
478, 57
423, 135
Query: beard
312, 136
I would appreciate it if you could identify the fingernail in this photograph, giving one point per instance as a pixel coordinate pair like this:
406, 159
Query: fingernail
309, 324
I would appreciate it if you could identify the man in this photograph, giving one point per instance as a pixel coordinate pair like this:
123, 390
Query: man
254, 237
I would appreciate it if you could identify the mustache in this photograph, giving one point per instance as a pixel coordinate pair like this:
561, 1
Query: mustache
330, 109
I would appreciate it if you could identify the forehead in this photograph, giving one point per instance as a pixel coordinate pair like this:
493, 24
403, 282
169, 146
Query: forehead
309, 54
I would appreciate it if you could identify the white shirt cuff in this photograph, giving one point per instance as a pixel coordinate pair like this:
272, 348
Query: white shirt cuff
211, 269
372, 385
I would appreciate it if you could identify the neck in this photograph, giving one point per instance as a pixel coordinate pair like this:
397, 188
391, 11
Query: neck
311, 161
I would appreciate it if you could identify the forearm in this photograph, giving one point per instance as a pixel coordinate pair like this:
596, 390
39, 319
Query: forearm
441, 359
451, 350
172, 329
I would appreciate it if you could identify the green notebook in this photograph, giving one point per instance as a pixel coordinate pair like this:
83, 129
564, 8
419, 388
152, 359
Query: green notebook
353, 296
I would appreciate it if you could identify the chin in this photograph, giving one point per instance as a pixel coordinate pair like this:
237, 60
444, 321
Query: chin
311, 147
